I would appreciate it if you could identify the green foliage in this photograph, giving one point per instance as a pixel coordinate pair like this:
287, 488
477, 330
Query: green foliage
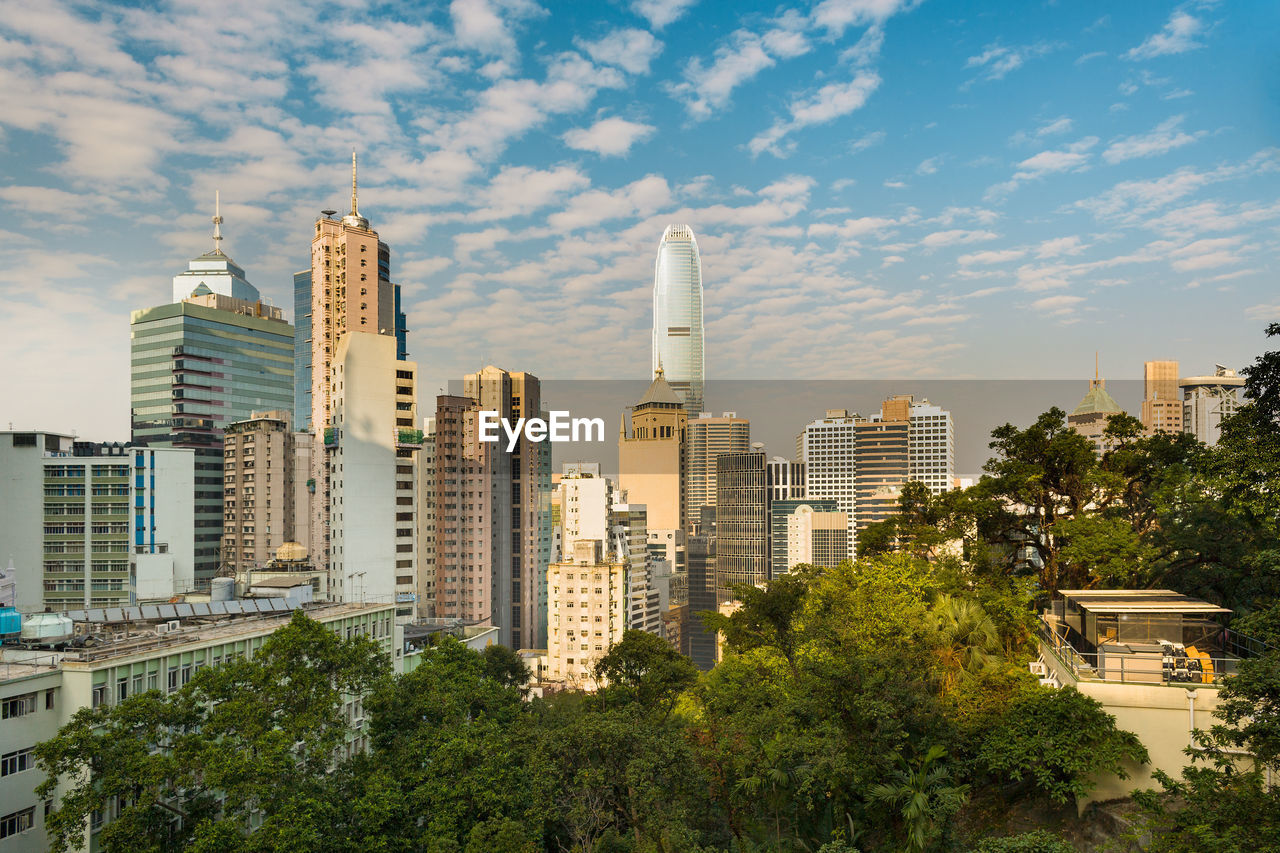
1059, 740
247, 738
924, 796
1040, 841
645, 669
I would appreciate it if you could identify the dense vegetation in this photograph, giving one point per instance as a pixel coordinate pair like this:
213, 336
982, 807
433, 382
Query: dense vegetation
879, 705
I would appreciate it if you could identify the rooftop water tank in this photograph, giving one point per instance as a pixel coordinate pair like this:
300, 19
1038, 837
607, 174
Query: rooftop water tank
47, 627
10, 621
222, 589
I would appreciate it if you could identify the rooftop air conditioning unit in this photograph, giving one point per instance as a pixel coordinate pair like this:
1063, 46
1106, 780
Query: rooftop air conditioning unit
1037, 667
174, 625
162, 629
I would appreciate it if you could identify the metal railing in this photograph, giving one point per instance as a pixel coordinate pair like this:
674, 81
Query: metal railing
1138, 667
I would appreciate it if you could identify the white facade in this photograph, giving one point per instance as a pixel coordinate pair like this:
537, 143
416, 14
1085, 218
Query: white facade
427, 521
373, 490
677, 315
586, 612
95, 531
931, 450
585, 497
1206, 400
827, 448
216, 272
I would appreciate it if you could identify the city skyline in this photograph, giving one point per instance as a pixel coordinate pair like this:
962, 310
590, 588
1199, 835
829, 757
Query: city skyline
880, 189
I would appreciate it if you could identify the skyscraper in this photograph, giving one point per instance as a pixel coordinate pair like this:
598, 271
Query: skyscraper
1161, 408
1090, 417
351, 291
742, 522
258, 490
708, 437
826, 446
677, 315
214, 356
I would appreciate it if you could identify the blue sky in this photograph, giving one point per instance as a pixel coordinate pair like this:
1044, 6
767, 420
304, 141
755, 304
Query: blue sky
880, 188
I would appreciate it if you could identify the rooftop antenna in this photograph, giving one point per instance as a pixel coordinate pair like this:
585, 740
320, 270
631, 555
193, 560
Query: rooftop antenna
217, 223
355, 210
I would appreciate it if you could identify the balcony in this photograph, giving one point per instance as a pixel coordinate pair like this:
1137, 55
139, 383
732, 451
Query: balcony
1147, 637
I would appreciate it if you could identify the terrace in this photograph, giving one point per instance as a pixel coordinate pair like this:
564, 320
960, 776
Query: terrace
1147, 637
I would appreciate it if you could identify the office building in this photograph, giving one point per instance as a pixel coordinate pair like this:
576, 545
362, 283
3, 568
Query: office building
881, 453
652, 455
587, 612
931, 450
784, 479
372, 445
465, 506
95, 525
1090, 417
826, 447
1207, 400
302, 351
1161, 408
781, 557
677, 315
817, 538
707, 437
696, 642
742, 525
351, 291
259, 496
214, 356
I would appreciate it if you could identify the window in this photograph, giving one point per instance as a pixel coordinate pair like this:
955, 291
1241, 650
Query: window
16, 762
48, 700
99, 695
17, 822
18, 706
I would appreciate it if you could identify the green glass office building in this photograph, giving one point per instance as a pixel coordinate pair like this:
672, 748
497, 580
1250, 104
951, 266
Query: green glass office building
198, 365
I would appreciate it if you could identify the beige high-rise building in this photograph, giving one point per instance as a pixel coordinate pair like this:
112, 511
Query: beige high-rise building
350, 293
587, 612
652, 456
258, 512
817, 538
881, 451
427, 520
709, 436
1161, 407
493, 510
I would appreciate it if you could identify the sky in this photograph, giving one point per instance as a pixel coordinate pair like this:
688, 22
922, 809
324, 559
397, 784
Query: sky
880, 188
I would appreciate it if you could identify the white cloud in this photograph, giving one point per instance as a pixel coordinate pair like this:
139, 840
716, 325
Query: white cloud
520, 190
1163, 138
928, 166
1128, 200
835, 16
1057, 306
1177, 36
610, 137
1072, 158
862, 143
707, 88
1060, 246
479, 24
830, 102
997, 60
632, 50
659, 13
992, 257
956, 237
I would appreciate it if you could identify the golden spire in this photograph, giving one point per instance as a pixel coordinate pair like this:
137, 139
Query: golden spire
217, 223
355, 209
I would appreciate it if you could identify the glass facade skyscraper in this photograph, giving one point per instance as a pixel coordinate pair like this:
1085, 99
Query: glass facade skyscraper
677, 315
302, 351
197, 366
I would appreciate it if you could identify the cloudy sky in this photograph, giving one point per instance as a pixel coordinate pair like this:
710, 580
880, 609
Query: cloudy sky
881, 188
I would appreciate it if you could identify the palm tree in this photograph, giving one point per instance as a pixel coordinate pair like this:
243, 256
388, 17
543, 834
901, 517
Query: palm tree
970, 639
923, 794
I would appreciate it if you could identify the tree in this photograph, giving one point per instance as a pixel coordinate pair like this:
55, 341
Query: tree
644, 668
244, 747
924, 796
968, 638
1039, 841
1058, 740
765, 617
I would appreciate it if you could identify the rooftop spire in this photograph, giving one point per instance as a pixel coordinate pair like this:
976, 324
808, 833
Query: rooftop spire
217, 223
355, 208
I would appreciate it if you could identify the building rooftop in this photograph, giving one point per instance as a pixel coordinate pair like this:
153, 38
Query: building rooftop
1097, 401
1139, 601
660, 391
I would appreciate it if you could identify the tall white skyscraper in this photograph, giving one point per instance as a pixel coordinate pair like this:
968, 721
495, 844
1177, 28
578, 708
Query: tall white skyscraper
931, 447
677, 315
